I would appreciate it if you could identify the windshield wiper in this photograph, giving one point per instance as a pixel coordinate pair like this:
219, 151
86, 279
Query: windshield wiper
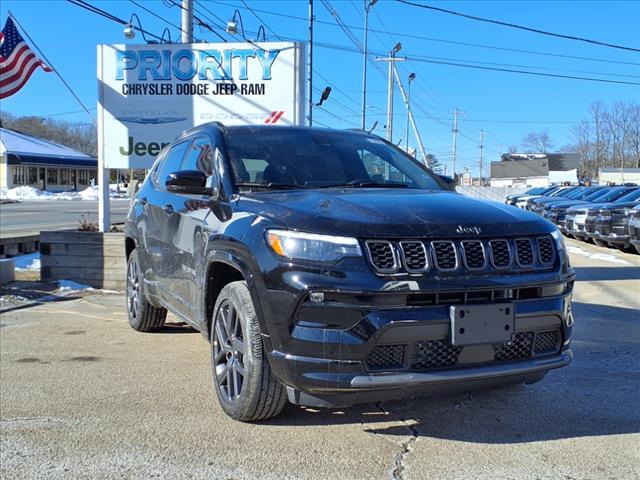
365, 184
270, 185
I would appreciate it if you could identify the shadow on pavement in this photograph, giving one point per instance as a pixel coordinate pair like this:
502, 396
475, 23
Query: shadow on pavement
593, 396
588, 274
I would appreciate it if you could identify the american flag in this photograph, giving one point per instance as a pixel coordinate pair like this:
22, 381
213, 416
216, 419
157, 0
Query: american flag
17, 60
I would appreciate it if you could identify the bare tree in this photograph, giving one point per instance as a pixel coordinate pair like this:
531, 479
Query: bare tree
537, 142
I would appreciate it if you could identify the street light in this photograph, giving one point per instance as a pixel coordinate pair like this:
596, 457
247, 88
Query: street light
412, 77
130, 31
367, 7
232, 25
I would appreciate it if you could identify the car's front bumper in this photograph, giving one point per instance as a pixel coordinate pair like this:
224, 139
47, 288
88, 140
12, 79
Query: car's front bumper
322, 350
612, 230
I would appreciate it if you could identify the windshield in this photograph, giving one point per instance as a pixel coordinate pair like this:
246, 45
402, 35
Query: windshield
600, 192
307, 158
612, 195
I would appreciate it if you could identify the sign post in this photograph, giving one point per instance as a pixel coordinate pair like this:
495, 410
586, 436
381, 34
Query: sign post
149, 94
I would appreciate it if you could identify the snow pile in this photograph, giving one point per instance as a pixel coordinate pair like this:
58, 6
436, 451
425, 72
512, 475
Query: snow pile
30, 193
30, 261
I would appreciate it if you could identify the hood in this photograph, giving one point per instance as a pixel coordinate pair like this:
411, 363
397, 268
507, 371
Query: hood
588, 206
615, 206
392, 213
566, 204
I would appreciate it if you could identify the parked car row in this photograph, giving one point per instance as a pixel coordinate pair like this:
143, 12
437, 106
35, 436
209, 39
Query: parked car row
606, 216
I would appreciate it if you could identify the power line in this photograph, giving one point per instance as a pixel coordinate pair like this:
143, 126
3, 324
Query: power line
441, 40
521, 27
156, 15
260, 20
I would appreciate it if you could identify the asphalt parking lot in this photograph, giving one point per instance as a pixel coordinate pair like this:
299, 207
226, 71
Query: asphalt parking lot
84, 396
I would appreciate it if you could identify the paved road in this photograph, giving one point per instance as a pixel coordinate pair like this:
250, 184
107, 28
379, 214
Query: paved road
84, 396
30, 217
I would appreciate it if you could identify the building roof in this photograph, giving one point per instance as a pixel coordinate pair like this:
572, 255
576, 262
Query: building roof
22, 148
619, 170
523, 165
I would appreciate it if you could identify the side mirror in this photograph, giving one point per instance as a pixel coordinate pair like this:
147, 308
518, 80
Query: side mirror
188, 182
449, 182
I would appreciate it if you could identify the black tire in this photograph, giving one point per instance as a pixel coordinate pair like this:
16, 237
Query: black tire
600, 243
246, 388
637, 247
143, 317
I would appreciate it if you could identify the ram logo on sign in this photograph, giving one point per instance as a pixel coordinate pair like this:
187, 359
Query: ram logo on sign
148, 94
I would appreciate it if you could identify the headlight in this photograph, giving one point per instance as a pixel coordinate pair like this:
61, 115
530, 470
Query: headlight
313, 247
562, 249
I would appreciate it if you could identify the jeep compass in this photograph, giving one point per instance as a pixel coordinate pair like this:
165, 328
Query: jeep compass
329, 267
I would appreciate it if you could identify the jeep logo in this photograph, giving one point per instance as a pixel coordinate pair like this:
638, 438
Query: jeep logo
476, 230
140, 148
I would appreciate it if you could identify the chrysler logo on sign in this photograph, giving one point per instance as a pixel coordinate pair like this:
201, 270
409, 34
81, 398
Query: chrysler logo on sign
476, 230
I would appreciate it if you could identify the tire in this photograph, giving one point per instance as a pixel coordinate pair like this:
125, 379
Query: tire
637, 247
246, 388
600, 243
143, 317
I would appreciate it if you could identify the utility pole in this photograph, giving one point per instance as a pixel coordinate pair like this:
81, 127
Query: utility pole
367, 6
412, 77
481, 148
410, 116
187, 21
455, 137
391, 59
310, 66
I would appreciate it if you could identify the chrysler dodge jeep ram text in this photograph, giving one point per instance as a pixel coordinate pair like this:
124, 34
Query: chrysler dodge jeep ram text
329, 268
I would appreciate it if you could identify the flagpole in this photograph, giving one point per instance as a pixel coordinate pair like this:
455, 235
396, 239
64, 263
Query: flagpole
93, 120
104, 214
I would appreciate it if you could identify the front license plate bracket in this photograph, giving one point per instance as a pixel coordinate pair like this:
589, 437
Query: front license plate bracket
477, 324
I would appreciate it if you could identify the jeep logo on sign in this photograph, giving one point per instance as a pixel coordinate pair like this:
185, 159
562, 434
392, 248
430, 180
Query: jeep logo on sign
476, 230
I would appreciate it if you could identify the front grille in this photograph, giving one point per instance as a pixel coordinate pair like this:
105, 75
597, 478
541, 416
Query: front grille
524, 252
518, 348
546, 253
386, 357
414, 255
434, 354
445, 255
382, 255
500, 253
473, 254
547, 342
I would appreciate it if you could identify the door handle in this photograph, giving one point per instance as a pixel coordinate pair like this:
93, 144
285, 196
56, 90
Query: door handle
168, 209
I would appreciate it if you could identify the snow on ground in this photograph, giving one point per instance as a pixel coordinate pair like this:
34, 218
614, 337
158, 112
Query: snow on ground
605, 257
30, 261
30, 193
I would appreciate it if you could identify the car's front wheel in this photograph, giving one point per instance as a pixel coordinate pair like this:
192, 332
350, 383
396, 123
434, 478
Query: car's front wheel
143, 317
246, 388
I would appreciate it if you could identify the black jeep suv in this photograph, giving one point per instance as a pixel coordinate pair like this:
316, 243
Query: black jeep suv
328, 268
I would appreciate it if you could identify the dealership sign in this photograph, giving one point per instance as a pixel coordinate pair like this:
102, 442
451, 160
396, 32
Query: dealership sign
148, 94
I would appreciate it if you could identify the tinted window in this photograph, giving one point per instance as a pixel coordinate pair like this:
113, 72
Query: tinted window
170, 163
320, 158
629, 196
199, 157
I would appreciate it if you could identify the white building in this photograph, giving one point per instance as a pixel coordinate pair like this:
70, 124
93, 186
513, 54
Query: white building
618, 176
535, 170
32, 161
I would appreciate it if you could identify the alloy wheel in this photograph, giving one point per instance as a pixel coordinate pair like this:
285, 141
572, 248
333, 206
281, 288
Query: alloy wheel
228, 351
133, 289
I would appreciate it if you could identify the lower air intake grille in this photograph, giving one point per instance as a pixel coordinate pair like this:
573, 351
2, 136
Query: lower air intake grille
547, 342
524, 252
386, 357
445, 255
473, 254
433, 354
518, 348
382, 255
546, 253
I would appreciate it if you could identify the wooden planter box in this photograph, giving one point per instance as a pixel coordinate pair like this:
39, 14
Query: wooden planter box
96, 259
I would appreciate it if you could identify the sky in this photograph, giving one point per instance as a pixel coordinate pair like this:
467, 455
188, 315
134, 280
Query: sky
506, 106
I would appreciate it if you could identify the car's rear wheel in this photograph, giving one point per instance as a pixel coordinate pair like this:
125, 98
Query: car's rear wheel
143, 316
246, 388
